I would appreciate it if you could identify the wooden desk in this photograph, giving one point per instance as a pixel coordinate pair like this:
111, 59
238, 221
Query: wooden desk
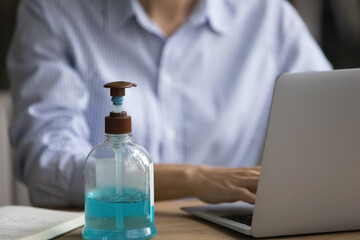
174, 224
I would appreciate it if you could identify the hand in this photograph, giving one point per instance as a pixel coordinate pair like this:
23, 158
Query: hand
216, 185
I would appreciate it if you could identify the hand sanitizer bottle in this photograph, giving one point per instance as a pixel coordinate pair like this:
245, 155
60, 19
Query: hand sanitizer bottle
119, 186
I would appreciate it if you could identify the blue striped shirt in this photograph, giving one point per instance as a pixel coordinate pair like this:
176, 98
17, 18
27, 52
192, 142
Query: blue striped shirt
203, 94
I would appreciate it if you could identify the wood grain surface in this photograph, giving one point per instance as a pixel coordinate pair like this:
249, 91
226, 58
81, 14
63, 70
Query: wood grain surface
174, 224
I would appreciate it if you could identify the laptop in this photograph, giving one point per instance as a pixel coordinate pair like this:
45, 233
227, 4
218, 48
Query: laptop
310, 175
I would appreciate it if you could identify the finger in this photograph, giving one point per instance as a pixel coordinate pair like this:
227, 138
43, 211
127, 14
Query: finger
254, 172
245, 195
251, 183
245, 169
256, 169
247, 182
243, 172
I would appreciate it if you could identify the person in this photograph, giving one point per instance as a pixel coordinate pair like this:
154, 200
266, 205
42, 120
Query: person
205, 71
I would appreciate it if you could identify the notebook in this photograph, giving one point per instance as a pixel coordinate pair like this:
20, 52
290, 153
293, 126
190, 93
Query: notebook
30, 223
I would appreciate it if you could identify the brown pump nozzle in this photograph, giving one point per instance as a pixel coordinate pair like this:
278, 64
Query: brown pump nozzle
118, 123
117, 89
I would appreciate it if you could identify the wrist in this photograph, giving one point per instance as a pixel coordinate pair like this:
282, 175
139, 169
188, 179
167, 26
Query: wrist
195, 179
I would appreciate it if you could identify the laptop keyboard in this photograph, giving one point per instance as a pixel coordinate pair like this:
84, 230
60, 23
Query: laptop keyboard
244, 219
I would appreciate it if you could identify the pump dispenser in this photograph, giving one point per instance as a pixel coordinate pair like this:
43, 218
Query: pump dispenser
119, 186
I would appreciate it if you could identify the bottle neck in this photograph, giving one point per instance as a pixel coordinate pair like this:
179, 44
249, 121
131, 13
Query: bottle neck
118, 138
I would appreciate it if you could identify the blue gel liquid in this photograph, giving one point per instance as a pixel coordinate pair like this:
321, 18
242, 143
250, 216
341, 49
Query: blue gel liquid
129, 216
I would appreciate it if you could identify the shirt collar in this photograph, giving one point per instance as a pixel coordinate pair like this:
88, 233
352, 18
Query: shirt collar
218, 14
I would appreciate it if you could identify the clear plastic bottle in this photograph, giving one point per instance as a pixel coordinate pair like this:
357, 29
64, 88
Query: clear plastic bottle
119, 194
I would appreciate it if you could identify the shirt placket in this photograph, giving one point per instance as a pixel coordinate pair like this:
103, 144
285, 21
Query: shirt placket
170, 101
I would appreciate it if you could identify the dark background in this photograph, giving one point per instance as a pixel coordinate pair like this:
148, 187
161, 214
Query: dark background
335, 24
7, 22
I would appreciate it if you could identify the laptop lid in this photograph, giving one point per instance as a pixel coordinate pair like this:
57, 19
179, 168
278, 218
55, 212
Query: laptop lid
310, 173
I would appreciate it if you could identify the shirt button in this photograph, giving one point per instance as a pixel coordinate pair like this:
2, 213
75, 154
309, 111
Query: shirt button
170, 134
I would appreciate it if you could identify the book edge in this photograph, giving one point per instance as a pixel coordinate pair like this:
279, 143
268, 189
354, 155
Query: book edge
58, 229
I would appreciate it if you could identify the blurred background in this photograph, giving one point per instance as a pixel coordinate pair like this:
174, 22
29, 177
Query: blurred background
335, 24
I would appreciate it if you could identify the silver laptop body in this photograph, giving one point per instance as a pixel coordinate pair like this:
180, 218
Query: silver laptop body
310, 175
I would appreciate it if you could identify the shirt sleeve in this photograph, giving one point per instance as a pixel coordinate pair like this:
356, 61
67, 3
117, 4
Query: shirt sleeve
298, 51
49, 131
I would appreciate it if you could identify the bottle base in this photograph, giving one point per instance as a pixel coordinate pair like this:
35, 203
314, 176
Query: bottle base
133, 234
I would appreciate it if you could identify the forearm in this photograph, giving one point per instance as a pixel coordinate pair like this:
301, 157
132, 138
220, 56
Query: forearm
56, 179
209, 184
174, 181
49, 131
